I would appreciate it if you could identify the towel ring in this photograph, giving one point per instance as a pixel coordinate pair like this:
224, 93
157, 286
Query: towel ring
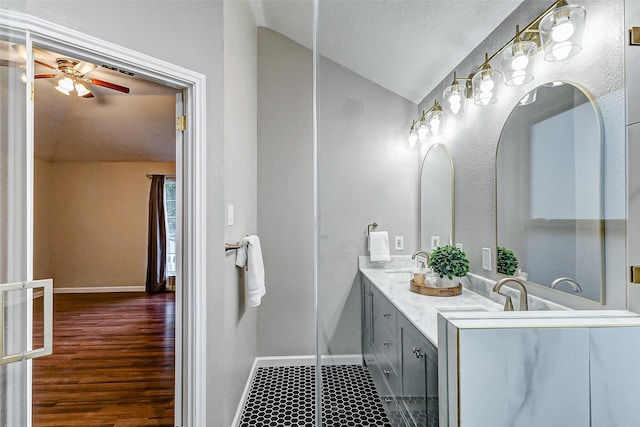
370, 226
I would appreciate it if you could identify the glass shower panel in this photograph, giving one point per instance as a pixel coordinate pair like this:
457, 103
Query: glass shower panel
366, 174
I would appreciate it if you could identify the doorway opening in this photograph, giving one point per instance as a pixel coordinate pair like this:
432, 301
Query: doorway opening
96, 147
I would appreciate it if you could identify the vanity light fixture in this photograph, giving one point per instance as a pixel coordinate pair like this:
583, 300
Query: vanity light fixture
431, 122
455, 96
557, 31
561, 31
518, 60
485, 84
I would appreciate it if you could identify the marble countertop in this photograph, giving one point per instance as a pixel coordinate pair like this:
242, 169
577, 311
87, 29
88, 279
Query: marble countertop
422, 310
471, 309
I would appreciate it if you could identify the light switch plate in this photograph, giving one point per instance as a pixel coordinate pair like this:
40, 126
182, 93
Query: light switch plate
435, 242
398, 243
486, 259
230, 214
460, 246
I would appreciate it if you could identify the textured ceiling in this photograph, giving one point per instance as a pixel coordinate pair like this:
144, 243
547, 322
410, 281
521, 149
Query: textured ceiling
406, 46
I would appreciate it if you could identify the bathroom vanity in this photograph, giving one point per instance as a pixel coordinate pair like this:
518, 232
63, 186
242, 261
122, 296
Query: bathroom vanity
463, 361
399, 339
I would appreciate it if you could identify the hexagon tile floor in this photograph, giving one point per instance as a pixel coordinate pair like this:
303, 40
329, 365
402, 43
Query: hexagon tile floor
285, 396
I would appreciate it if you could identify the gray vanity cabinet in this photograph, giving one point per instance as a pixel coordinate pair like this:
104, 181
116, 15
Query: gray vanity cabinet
402, 362
419, 359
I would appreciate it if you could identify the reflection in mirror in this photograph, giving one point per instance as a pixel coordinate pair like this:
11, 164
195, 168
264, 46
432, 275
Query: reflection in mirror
549, 179
436, 198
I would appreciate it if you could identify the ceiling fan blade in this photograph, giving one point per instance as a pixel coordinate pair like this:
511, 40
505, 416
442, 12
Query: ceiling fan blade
108, 85
44, 64
83, 67
9, 63
45, 76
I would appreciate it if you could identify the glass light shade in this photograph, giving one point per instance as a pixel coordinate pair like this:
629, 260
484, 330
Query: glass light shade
82, 90
518, 61
413, 138
436, 121
62, 90
455, 97
485, 85
423, 131
66, 84
561, 32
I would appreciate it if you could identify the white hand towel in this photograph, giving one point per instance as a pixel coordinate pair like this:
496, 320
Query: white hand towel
379, 246
250, 255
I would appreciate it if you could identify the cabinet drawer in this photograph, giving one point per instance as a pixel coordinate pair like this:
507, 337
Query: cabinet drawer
390, 374
386, 342
384, 314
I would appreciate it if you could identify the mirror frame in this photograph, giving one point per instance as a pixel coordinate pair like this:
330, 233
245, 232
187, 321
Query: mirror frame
453, 195
600, 122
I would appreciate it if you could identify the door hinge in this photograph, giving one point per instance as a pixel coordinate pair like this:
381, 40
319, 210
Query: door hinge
635, 274
181, 123
634, 36
33, 91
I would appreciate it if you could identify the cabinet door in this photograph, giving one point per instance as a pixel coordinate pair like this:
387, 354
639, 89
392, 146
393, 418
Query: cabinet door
366, 311
419, 376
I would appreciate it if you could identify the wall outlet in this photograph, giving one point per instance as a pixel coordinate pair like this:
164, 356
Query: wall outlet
486, 259
460, 246
398, 243
435, 242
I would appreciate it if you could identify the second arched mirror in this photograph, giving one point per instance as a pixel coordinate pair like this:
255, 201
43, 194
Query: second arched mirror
436, 209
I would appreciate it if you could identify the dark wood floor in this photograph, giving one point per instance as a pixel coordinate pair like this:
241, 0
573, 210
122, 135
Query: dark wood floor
112, 362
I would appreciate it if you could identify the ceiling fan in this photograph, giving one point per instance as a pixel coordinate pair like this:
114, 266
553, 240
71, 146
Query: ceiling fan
72, 76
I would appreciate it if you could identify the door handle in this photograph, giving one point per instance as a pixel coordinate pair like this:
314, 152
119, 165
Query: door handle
47, 347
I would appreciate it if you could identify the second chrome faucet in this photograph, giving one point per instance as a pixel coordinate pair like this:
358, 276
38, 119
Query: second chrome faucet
508, 305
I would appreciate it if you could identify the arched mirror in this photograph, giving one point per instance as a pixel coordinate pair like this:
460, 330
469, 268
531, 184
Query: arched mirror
549, 179
436, 186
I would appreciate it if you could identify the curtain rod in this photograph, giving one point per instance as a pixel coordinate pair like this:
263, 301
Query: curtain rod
151, 175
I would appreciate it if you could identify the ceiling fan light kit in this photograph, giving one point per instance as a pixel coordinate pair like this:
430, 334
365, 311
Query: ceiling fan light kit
557, 32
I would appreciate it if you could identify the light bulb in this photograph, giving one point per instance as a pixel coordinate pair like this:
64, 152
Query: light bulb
487, 84
517, 77
422, 132
562, 31
455, 98
485, 97
413, 138
66, 84
455, 107
519, 61
562, 50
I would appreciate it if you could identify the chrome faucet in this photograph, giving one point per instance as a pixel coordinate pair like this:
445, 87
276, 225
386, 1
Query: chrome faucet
575, 285
508, 305
426, 255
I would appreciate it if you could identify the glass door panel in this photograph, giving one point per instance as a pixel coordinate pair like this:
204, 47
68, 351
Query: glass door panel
15, 306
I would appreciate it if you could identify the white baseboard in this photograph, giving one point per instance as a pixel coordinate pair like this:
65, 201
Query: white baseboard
98, 289
310, 360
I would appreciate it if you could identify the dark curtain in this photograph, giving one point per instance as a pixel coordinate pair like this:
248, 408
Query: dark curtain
157, 244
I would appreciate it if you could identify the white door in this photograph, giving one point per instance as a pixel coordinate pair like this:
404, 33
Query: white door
16, 232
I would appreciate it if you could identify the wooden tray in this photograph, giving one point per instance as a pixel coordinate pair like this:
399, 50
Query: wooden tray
436, 292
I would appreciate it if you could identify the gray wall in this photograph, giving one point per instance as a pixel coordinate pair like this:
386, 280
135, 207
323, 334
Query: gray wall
193, 41
365, 175
285, 196
473, 138
240, 189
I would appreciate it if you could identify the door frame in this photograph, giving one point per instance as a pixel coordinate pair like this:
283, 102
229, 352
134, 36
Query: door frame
52, 36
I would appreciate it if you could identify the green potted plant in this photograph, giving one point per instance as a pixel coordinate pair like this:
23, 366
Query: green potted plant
450, 262
507, 261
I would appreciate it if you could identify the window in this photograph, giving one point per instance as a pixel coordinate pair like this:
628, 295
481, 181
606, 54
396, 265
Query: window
170, 217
